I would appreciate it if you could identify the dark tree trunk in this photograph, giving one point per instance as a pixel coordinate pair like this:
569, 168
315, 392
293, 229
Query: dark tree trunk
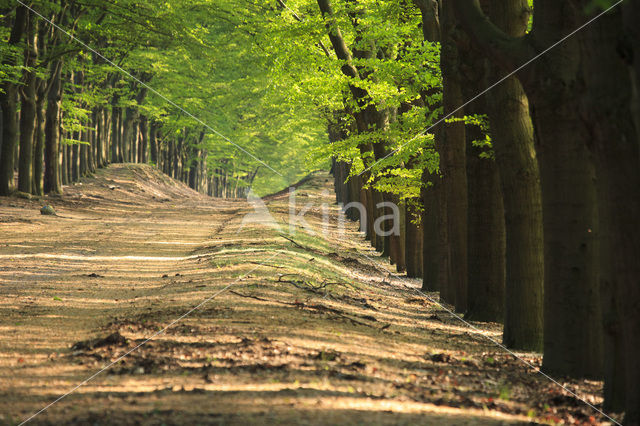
433, 221
28, 111
432, 250
193, 173
74, 166
572, 326
128, 135
120, 133
486, 233
453, 166
172, 159
486, 237
100, 138
52, 131
366, 194
84, 155
167, 159
92, 135
66, 164
352, 189
413, 241
153, 143
144, 139
512, 138
115, 126
572, 330
38, 149
610, 109
9, 107
397, 241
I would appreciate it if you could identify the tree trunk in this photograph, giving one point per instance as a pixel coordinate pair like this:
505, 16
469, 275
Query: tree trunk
52, 131
433, 220
485, 221
8, 104
172, 159
610, 108
84, 156
74, 168
193, 170
28, 111
398, 241
486, 236
432, 250
100, 137
92, 153
38, 150
572, 325
66, 164
153, 143
554, 85
413, 241
453, 167
512, 138
128, 135
9, 107
120, 133
144, 139
115, 118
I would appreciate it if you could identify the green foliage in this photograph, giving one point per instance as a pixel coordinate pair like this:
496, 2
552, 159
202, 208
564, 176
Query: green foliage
481, 121
400, 72
263, 75
596, 6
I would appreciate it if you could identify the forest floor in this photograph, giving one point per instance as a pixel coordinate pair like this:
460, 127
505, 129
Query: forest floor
307, 329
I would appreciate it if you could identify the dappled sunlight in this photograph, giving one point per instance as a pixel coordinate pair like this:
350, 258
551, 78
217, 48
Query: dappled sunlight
307, 326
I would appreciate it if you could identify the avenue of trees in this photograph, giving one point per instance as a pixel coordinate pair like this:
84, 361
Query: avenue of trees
66, 110
519, 206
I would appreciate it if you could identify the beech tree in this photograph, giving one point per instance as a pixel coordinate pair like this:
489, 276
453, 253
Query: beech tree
9, 99
563, 85
513, 145
567, 179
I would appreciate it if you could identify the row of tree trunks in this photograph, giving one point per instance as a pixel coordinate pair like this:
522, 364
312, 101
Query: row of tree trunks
482, 240
572, 331
63, 158
587, 133
32, 118
369, 117
609, 51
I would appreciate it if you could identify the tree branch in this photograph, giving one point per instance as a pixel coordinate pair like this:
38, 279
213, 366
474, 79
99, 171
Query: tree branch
337, 40
508, 52
299, 19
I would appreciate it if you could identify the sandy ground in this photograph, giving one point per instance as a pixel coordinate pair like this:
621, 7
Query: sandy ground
177, 313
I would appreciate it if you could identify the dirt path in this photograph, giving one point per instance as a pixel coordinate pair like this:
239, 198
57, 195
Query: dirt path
307, 330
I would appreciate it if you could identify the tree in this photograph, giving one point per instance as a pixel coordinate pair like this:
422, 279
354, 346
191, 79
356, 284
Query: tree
434, 222
9, 102
609, 109
512, 141
28, 109
554, 87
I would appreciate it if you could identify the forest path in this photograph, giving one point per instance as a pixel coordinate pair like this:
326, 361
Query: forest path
308, 329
